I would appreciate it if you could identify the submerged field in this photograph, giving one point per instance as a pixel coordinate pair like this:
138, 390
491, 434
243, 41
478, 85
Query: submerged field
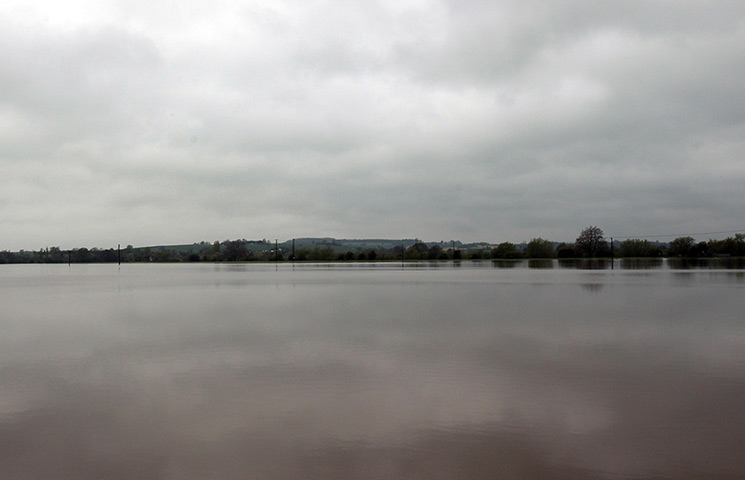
372, 370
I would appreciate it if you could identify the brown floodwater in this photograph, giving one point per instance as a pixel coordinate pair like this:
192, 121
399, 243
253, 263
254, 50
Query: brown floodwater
542, 370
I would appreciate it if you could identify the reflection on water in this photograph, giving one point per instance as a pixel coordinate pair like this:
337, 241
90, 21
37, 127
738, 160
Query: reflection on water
587, 263
593, 287
641, 263
506, 263
540, 263
706, 263
371, 371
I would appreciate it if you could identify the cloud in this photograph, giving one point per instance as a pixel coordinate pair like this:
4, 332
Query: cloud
487, 121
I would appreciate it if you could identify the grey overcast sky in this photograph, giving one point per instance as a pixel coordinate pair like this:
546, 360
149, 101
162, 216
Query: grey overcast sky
152, 122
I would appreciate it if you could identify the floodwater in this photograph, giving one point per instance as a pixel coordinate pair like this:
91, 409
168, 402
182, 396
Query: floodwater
540, 370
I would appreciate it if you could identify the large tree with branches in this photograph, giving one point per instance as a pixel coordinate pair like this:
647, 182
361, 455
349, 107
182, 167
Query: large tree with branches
591, 241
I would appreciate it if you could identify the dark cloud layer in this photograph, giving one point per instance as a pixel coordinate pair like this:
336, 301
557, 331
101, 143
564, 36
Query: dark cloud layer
172, 122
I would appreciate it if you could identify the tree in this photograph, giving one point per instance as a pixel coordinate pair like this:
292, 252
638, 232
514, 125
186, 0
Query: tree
213, 253
700, 249
235, 251
165, 255
540, 248
420, 247
82, 255
56, 255
143, 255
680, 247
129, 254
321, 254
634, 247
416, 251
108, 256
566, 251
505, 250
737, 245
734, 246
591, 242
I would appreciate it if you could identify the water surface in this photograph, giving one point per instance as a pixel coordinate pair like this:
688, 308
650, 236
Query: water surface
372, 371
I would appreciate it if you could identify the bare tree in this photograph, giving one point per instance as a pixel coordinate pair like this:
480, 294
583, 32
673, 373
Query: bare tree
591, 242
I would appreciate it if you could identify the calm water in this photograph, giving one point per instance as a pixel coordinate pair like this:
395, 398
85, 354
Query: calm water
372, 371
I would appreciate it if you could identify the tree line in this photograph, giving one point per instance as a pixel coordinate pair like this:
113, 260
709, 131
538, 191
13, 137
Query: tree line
591, 243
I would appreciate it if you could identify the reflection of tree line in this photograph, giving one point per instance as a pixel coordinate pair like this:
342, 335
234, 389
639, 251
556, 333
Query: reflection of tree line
590, 246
